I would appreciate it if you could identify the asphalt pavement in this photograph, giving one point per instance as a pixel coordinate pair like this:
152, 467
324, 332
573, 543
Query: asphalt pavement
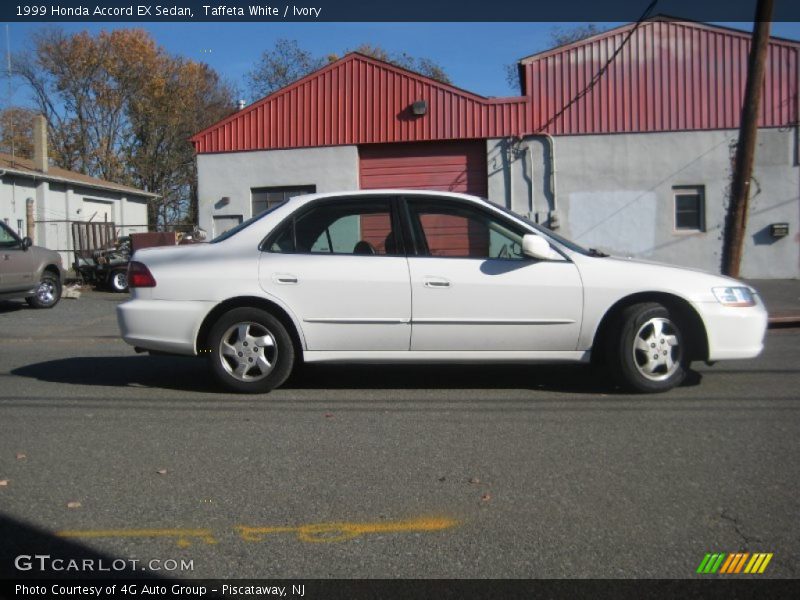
420, 472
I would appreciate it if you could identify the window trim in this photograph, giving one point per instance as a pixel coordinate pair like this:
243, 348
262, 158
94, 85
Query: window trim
689, 190
509, 224
265, 244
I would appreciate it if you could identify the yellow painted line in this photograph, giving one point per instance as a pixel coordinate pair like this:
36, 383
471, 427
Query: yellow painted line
727, 564
314, 532
339, 532
765, 563
183, 535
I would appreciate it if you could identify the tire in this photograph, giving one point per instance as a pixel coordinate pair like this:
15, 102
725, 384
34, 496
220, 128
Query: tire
648, 354
118, 281
48, 292
256, 336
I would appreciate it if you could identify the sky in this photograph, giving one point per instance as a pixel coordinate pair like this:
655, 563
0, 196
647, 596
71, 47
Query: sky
474, 55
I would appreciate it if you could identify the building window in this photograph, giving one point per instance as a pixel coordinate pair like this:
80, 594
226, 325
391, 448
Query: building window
690, 207
264, 198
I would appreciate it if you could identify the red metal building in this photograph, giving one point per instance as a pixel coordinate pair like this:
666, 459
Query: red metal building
390, 127
670, 76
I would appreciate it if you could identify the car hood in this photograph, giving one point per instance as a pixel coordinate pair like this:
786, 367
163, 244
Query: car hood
635, 275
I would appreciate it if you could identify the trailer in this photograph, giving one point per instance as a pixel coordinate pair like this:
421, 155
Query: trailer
102, 257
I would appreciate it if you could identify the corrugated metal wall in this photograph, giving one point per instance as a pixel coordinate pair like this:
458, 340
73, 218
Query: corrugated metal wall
358, 100
670, 76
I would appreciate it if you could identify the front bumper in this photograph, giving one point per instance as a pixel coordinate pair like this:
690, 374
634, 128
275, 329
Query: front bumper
734, 332
162, 325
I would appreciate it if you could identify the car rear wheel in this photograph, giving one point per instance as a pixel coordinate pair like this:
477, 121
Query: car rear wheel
48, 292
250, 351
118, 281
649, 354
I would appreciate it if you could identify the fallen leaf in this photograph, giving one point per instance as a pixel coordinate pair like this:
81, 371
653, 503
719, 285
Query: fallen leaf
486, 497
328, 415
21, 456
162, 471
3, 482
474, 480
73, 504
442, 478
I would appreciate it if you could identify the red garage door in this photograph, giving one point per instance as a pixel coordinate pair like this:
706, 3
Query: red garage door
445, 166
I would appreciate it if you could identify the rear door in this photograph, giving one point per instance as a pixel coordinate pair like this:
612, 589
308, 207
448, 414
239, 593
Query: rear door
340, 266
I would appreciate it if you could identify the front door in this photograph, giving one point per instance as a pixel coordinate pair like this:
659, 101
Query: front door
339, 267
473, 289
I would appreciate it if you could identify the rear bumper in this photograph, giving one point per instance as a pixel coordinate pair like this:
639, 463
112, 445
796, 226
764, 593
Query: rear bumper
734, 332
162, 325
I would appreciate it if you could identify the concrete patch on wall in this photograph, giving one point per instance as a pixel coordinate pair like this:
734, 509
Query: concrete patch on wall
622, 222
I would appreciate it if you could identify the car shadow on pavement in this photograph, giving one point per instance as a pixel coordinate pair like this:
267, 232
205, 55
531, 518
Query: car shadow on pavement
582, 379
166, 372
7, 306
192, 375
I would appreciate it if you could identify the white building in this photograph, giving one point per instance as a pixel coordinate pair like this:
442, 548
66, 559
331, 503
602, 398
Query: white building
60, 197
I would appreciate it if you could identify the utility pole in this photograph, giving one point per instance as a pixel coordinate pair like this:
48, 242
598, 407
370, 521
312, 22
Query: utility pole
736, 221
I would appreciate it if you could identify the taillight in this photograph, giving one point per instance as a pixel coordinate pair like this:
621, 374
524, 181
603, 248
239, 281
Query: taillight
139, 276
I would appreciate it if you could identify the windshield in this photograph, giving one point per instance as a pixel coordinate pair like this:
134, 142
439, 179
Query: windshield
549, 233
244, 224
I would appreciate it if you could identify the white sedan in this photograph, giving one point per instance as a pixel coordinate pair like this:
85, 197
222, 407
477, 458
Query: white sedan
396, 276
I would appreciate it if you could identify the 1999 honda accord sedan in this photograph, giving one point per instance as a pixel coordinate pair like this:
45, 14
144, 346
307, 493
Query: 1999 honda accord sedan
396, 276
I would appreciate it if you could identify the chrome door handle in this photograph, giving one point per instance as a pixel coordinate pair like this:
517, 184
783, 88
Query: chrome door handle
284, 278
436, 282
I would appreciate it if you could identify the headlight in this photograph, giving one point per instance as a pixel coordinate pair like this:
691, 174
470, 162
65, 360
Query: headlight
734, 296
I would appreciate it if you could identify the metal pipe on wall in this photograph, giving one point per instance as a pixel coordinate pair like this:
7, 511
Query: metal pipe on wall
552, 216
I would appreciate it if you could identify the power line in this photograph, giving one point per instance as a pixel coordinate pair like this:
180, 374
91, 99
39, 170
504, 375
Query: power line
602, 71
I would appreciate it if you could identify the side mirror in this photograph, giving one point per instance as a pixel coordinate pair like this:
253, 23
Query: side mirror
26, 243
536, 246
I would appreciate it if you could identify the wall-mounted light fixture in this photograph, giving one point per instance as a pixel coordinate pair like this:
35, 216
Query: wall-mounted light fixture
419, 108
224, 201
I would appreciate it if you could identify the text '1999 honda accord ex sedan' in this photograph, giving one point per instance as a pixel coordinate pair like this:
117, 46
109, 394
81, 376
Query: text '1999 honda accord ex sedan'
396, 276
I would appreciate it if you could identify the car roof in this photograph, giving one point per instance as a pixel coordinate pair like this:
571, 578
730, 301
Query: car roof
384, 192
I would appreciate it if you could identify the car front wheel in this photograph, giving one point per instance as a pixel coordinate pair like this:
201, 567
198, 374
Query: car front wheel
250, 351
48, 292
649, 354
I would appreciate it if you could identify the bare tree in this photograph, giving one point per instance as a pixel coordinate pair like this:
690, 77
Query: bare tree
278, 67
286, 62
560, 36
